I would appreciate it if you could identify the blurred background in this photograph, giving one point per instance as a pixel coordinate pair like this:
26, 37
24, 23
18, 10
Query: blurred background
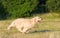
11, 9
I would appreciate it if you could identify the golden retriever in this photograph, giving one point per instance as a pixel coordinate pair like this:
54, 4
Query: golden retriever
24, 25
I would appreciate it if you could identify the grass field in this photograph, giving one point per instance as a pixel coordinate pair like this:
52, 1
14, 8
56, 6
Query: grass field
48, 28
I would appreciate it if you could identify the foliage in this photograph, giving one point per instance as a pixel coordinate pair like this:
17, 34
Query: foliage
19, 8
23, 8
3, 13
53, 5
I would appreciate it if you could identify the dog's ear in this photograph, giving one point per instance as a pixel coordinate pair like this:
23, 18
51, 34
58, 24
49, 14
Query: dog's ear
35, 19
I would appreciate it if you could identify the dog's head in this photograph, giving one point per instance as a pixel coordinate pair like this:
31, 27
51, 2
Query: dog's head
37, 19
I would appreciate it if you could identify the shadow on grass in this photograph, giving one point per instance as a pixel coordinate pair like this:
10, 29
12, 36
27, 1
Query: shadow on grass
43, 31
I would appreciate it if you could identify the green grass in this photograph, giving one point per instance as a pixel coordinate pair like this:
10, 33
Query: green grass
45, 29
48, 28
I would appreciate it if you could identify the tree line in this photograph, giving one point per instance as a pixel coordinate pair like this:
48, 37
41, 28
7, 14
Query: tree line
24, 8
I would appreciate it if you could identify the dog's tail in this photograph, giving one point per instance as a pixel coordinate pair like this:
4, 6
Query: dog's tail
11, 25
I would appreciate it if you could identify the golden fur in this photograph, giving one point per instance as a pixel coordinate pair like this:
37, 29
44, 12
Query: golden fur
23, 25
